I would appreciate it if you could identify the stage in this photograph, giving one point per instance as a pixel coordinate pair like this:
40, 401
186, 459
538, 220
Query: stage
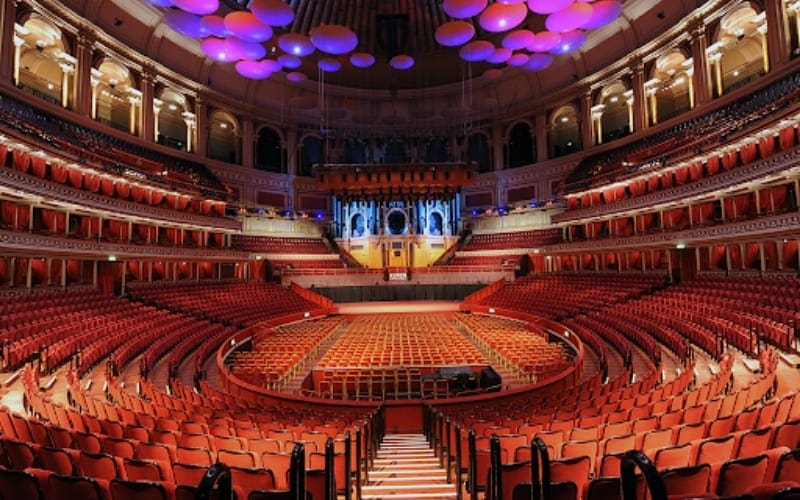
427, 306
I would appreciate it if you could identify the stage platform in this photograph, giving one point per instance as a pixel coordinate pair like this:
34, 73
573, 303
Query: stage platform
427, 306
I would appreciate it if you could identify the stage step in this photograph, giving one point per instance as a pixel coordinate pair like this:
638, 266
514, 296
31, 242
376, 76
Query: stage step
406, 467
793, 360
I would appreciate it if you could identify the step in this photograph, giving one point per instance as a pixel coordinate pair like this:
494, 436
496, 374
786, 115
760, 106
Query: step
406, 454
420, 473
408, 488
399, 496
793, 360
419, 462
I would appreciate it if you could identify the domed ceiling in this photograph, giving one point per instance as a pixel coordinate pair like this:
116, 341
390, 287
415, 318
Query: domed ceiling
390, 44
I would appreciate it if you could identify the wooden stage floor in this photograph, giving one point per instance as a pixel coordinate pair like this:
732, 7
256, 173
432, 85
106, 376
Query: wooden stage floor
427, 306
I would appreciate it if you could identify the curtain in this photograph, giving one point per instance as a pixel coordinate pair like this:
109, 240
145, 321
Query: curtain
751, 253
135, 270
666, 180
728, 160
718, 257
713, 165
139, 194
156, 197
748, 152
644, 222
219, 208
652, 183
107, 187
73, 271
55, 222
21, 160
736, 256
766, 145
790, 254
75, 178
38, 271
123, 190
90, 226
56, 271
635, 259
92, 182
3, 271
3, 155
786, 138
586, 200
702, 213
59, 173
219, 238
107, 275
39, 167
770, 255
682, 175
172, 198
182, 202
696, 171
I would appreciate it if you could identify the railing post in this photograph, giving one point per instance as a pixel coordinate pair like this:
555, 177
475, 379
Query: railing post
330, 477
473, 464
495, 485
631, 460
540, 470
458, 462
218, 475
348, 471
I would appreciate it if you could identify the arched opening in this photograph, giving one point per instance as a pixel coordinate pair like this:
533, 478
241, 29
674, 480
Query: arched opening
269, 151
564, 134
223, 138
615, 111
45, 68
354, 151
310, 155
172, 120
520, 145
738, 55
671, 89
435, 150
435, 223
395, 151
478, 152
117, 99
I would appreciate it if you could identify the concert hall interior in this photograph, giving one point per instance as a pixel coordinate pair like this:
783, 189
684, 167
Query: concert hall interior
391, 249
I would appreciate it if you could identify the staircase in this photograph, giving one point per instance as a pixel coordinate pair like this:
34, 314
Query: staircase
406, 467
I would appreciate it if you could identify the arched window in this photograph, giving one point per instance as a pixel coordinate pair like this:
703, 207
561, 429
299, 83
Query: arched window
616, 111
395, 152
269, 152
223, 137
116, 102
671, 87
354, 151
564, 134
478, 152
42, 62
737, 54
435, 150
311, 154
520, 146
171, 120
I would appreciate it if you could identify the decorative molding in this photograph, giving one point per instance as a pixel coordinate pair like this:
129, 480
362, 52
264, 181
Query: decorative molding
39, 244
784, 164
30, 186
774, 226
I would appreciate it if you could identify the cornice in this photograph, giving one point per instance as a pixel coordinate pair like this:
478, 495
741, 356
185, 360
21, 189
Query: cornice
30, 244
763, 228
785, 164
28, 186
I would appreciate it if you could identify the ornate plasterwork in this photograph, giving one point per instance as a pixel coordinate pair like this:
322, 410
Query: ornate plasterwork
25, 185
785, 163
775, 226
39, 244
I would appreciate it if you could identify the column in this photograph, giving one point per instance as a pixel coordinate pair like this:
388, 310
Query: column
84, 88
586, 128
8, 19
651, 91
18, 43
134, 115
777, 35
189, 120
248, 143
94, 81
67, 69
540, 125
639, 108
714, 58
700, 71
499, 146
201, 126
147, 117
597, 122
628, 94
157, 105
290, 145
